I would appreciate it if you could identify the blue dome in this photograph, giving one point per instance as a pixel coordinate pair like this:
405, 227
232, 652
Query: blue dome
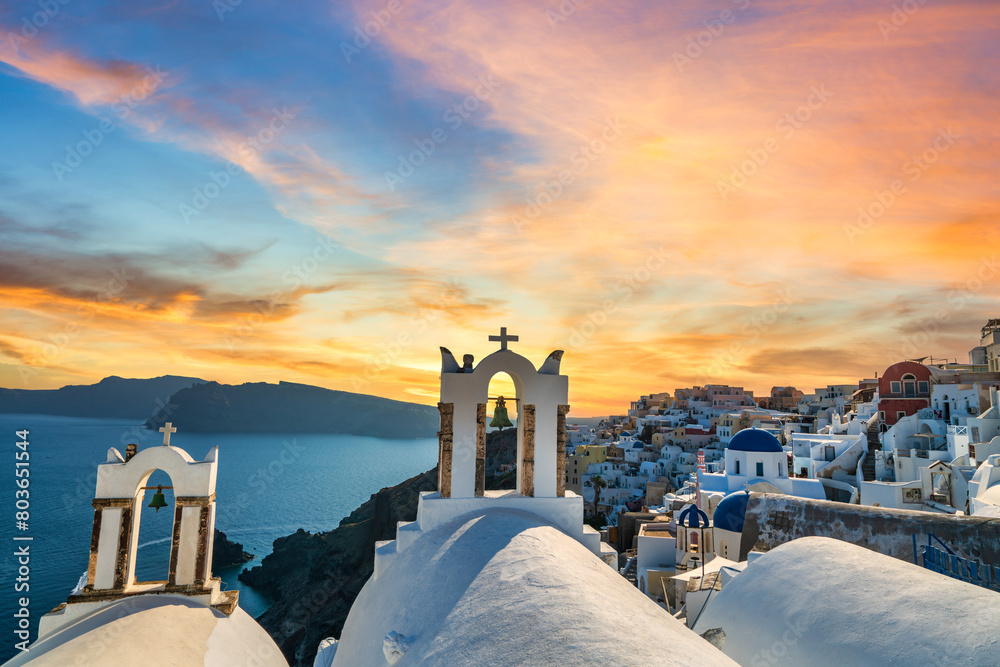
730, 512
754, 440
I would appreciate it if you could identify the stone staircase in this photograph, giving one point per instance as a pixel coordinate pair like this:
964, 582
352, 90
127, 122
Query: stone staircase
874, 444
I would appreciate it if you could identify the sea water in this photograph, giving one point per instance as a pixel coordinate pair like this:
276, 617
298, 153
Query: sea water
269, 485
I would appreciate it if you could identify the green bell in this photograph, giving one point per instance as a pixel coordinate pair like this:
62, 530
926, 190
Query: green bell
158, 500
500, 419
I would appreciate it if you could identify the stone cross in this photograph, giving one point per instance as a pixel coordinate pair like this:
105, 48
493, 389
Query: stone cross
166, 430
503, 338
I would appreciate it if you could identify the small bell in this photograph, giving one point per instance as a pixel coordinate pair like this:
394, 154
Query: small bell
158, 500
500, 419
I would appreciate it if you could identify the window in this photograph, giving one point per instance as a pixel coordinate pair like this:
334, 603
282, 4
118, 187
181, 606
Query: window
900, 414
924, 387
895, 388
830, 452
881, 415
760, 468
737, 471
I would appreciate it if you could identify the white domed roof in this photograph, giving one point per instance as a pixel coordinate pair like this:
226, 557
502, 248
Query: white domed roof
846, 605
153, 630
504, 588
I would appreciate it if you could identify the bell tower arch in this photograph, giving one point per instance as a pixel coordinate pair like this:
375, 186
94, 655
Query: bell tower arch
542, 404
121, 487
542, 399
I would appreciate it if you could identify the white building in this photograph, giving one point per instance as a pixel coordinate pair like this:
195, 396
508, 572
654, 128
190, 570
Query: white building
956, 403
755, 456
984, 488
838, 455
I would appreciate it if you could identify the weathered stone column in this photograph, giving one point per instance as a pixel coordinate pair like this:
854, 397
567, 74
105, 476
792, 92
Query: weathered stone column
175, 543
561, 450
122, 575
528, 461
107, 540
481, 449
445, 436
202, 567
190, 564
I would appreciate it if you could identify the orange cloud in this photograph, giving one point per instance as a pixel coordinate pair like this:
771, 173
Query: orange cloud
90, 81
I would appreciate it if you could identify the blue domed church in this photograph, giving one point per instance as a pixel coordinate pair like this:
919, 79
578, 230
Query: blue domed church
755, 460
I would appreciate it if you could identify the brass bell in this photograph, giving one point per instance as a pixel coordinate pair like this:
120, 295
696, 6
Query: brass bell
500, 419
158, 500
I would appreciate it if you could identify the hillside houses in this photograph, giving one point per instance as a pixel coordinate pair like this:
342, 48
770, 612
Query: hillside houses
913, 437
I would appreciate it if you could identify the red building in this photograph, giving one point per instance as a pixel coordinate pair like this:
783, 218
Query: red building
903, 389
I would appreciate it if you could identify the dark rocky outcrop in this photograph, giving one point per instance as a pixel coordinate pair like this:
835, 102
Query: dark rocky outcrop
287, 407
226, 553
111, 398
314, 578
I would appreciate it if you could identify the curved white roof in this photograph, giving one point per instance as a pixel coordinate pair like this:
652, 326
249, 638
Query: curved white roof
842, 602
154, 630
504, 588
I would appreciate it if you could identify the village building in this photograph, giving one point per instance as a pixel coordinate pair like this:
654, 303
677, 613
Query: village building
754, 457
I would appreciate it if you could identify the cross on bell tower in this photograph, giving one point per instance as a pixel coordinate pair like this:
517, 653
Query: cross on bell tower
503, 338
166, 430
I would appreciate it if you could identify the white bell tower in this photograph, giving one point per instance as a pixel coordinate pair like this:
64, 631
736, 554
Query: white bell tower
542, 396
117, 505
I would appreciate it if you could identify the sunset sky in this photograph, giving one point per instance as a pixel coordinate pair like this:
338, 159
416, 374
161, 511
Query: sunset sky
670, 192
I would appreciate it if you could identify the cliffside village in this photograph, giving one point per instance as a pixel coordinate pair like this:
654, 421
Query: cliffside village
859, 525
671, 479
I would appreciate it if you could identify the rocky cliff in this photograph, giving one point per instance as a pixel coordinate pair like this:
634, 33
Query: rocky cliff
314, 578
287, 407
226, 553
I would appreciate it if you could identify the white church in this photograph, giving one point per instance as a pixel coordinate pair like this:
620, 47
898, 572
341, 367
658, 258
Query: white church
114, 620
504, 578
